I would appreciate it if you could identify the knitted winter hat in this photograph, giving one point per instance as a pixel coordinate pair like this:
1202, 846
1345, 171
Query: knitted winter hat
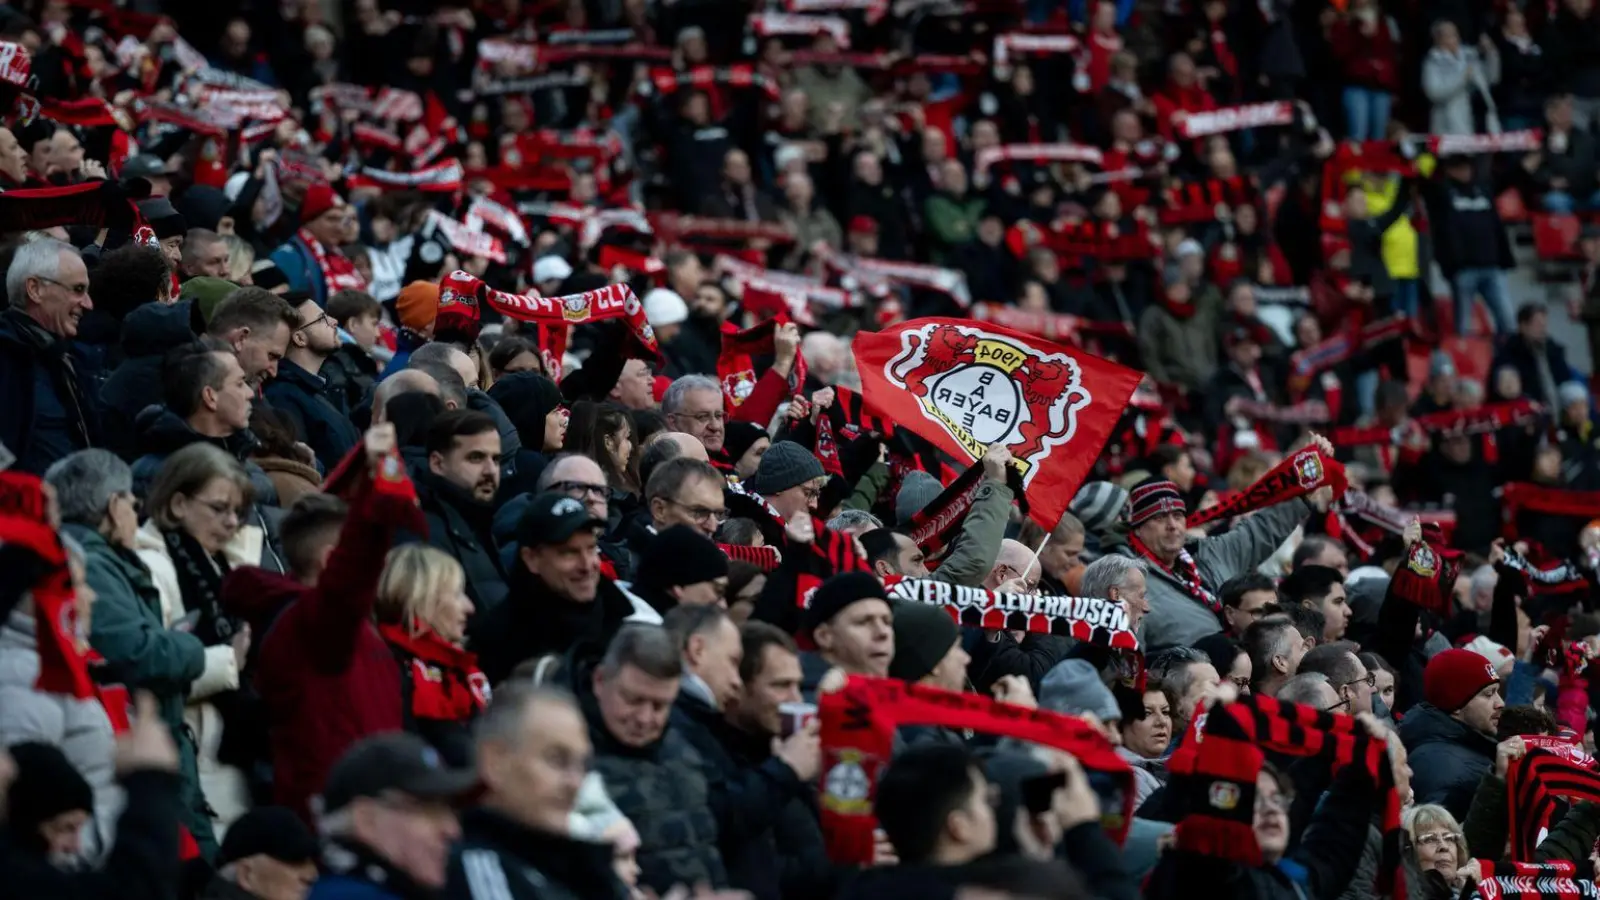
1097, 505
1073, 687
785, 465
47, 785
417, 305
319, 199
1453, 677
922, 636
839, 592
678, 556
1153, 497
917, 490
739, 437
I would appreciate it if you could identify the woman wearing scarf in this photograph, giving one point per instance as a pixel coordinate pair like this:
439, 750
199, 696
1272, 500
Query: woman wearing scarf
533, 403
422, 612
195, 506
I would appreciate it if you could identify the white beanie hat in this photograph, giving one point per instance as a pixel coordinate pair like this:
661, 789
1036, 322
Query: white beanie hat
664, 307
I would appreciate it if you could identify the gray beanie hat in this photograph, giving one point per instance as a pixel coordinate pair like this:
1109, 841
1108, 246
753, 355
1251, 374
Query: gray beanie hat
1074, 687
917, 490
785, 465
1097, 505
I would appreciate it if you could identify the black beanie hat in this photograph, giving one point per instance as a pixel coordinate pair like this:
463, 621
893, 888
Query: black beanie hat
739, 437
922, 636
46, 786
838, 592
273, 831
678, 556
526, 398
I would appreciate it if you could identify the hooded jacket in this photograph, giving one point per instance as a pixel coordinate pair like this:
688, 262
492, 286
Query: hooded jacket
325, 673
1448, 758
147, 334
303, 397
524, 399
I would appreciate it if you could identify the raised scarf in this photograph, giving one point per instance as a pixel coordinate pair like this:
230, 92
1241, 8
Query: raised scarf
858, 733
62, 644
736, 369
338, 272
1562, 577
1215, 776
1426, 577
1184, 571
1092, 620
1486, 419
1301, 473
938, 524
1534, 782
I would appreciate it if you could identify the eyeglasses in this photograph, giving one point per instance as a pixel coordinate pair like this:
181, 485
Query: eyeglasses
579, 488
1438, 838
78, 290
705, 418
1370, 681
314, 322
1241, 682
811, 493
701, 513
1279, 803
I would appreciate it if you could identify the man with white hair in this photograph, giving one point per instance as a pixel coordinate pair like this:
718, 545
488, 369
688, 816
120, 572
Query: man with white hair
693, 405
49, 406
825, 356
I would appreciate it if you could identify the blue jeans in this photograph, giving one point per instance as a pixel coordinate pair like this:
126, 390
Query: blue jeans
1490, 283
1563, 202
1407, 297
1366, 113
1366, 393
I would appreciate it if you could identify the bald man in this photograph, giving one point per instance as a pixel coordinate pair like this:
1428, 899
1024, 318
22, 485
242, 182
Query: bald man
1014, 568
688, 444
405, 381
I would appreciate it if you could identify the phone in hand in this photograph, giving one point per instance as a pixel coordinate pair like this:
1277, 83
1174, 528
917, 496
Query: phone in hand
1038, 792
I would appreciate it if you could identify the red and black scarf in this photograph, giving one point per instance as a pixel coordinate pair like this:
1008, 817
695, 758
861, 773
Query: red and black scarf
63, 648
938, 524
1090, 619
1216, 777
446, 683
1522, 496
1534, 783
1486, 419
338, 272
1559, 879
1426, 577
858, 733
1183, 570
736, 369
1300, 474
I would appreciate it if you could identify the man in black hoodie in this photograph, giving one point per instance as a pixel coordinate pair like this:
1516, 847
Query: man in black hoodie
1471, 243
148, 334
457, 494
533, 752
558, 600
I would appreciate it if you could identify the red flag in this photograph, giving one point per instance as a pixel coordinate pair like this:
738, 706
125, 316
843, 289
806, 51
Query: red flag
965, 385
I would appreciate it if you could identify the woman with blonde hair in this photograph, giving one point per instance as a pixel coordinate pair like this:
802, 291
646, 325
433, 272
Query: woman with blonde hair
241, 259
1435, 843
422, 612
197, 503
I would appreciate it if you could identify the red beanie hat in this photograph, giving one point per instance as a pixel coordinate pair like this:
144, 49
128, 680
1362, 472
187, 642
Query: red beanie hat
319, 199
1453, 677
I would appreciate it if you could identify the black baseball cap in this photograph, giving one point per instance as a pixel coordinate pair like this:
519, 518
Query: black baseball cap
144, 166
273, 831
397, 763
552, 518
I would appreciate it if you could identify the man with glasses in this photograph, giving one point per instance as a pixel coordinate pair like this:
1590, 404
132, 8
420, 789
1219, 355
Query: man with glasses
1351, 681
683, 491
533, 753
581, 478
311, 259
693, 405
1245, 599
389, 813
301, 393
790, 478
49, 410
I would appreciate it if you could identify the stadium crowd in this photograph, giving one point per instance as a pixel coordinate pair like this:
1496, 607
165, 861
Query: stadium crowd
797, 450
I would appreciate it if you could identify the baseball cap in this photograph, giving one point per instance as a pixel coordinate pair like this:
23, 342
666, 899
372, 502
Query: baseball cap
552, 518
395, 762
550, 268
143, 166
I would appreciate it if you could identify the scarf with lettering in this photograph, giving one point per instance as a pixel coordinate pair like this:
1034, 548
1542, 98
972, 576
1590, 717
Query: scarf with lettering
667, 82
93, 204
858, 735
63, 647
1563, 577
1534, 881
1215, 777
1534, 782
1300, 474
338, 272
1089, 619
1183, 570
736, 369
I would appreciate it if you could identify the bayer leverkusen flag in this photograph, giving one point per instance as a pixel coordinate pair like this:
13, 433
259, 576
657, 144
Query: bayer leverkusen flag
965, 385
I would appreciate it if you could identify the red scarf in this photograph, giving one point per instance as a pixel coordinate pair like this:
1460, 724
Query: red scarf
446, 683
1183, 570
63, 660
338, 272
1298, 475
858, 732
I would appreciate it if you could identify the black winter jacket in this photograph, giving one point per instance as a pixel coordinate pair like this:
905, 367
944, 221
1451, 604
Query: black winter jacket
500, 859
49, 409
147, 334
1448, 758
